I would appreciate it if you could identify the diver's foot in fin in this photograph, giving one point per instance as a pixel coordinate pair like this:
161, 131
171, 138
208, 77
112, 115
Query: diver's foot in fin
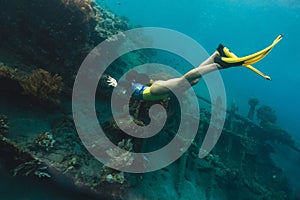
220, 50
219, 60
230, 59
225, 53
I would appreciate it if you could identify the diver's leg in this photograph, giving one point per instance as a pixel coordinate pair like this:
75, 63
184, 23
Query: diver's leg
165, 87
195, 74
210, 60
186, 81
183, 83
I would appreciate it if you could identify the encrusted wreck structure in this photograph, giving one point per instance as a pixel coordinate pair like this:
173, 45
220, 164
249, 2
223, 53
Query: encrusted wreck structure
55, 35
39, 59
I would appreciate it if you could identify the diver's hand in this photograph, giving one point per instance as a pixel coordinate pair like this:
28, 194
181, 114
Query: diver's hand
111, 81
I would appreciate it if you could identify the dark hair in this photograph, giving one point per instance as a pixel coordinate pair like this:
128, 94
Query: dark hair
133, 75
125, 84
124, 88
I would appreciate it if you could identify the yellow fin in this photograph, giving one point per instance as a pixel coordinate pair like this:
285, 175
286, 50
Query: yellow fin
253, 58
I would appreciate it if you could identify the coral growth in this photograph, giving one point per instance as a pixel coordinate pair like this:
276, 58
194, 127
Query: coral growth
50, 40
266, 115
120, 158
3, 124
45, 141
8, 72
84, 6
112, 176
253, 102
42, 85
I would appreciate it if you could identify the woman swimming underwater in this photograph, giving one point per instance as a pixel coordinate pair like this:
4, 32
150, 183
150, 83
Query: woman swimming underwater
222, 58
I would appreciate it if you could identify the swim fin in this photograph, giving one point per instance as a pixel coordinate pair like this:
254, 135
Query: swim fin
229, 59
226, 52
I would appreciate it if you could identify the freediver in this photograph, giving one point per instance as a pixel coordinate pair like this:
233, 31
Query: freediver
222, 58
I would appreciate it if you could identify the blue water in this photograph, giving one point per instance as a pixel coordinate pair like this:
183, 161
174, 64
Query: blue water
245, 27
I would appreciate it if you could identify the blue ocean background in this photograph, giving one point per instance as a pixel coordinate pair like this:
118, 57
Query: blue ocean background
245, 27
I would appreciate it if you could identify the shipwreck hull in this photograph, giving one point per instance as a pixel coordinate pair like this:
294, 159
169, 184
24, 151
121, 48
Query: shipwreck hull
20, 162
